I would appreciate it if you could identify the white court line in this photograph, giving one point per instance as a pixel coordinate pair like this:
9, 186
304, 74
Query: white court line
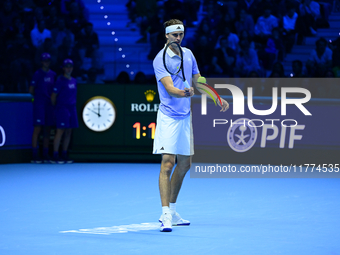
116, 229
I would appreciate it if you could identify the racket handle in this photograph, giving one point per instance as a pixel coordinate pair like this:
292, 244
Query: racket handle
186, 84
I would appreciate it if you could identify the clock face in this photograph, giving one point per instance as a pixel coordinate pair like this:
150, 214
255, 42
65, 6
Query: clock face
99, 113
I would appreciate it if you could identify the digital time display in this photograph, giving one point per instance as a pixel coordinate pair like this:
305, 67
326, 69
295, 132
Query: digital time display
147, 131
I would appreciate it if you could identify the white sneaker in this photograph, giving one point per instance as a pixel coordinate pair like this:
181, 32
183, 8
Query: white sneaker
177, 220
166, 222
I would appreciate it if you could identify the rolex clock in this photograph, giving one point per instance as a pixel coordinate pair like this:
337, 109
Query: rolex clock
99, 113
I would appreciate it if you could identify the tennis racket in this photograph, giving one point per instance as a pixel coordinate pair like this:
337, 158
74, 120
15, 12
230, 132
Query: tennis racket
175, 69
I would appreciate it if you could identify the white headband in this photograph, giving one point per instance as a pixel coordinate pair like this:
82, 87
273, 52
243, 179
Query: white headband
174, 28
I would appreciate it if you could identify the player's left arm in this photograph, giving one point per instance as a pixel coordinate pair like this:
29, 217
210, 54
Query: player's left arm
200, 84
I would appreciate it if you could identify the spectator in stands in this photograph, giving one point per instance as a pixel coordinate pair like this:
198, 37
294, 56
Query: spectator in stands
16, 27
223, 61
273, 51
190, 9
245, 22
68, 51
297, 67
140, 78
154, 27
174, 10
66, 7
250, 6
59, 33
51, 49
309, 12
123, 78
320, 59
289, 28
75, 20
265, 25
19, 57
39, 34
278, 70
52, 18
246, 60
227, 21
246, 36
92, 76
25, 5
231, 37
7, 14
213, 16
88, 43
203, 52
33, 21
206, 30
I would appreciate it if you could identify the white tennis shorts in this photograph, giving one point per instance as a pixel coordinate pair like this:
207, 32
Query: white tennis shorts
173, 136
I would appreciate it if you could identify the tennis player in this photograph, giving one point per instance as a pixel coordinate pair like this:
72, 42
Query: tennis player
174, 134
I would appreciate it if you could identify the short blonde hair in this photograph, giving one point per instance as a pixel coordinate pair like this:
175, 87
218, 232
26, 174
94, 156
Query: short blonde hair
172, 22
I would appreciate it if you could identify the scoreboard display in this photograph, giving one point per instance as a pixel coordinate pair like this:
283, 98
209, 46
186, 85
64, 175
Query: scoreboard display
123, 123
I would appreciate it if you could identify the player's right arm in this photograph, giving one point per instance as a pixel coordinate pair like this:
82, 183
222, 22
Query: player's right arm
173, 91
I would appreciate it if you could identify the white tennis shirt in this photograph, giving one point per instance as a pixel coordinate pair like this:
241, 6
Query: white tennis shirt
177, 108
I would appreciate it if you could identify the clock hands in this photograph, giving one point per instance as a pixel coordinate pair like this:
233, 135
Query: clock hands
99, 109
94, 112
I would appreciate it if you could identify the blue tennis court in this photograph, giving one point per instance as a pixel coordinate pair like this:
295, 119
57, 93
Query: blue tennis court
113, 208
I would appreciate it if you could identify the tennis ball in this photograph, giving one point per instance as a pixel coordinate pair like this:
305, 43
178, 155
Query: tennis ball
202, 79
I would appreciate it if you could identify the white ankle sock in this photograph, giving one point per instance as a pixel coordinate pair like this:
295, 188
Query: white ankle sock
166, 209
172, 207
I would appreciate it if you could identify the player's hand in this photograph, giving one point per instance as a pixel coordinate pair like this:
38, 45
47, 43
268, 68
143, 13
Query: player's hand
189, 92
224, 106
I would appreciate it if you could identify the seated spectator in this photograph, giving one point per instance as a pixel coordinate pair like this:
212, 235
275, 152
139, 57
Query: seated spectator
289, 28
245, 22
66, 7
213, 16
250, 6
227, 21
92, 76
123, 78
68, 51
140, 78
297, 67
88, 42
191, 8
7, 14
52, 18
173, 10
223, 61
246, 60
277, 70
265, 25
19, 57
245, 36
309, 12
320, 59
75, 20
155, 29
59, 33
39, 34
203, 52
231, 37
47, 47
206, 30
25, 5
16, 27
274, 50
